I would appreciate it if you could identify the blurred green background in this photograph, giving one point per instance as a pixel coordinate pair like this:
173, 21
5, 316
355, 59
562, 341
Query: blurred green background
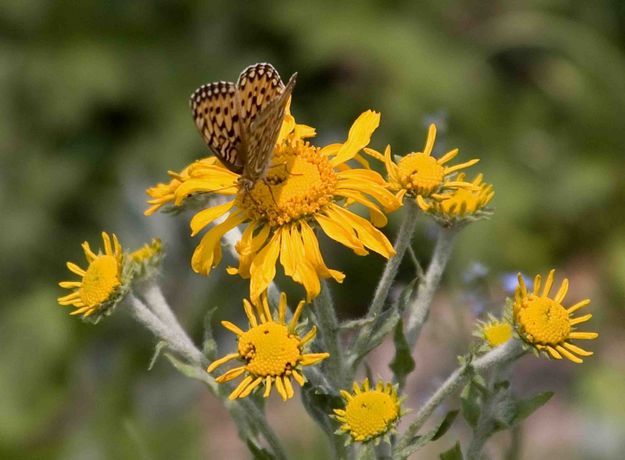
94, 99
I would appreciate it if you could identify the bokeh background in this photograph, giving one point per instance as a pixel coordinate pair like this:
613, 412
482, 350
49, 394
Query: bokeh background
94, 108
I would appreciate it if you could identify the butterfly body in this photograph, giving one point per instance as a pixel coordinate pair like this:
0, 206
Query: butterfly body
240, 122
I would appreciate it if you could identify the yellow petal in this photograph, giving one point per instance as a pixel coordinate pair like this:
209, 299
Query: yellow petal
208, 253
370, 236
359, 137
208, 215
263, 267
340, 233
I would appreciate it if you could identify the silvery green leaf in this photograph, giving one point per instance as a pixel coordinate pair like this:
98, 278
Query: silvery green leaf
470, 403
258, 452
526, 407
209, 346
418, 441
402, 363
455, 453
385, 323
193, 372
157, 352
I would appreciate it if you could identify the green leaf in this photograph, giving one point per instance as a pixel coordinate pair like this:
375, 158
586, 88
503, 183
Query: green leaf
402, 363
527, 407
455, 453
446, 424
407, 294
470, 404
385, 323
209, 345
320, 406
157, 352
193, 372
258, 452
419, 441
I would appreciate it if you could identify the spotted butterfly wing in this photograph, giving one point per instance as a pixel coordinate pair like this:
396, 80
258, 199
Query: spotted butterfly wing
264, 100
241, 123
216, 116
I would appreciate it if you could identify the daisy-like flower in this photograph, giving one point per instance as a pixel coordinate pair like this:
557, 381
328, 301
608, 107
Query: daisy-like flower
102, 285
306, 187
164, 194
271, 350
494, 332
545, 324
147, 258
370, 414
420, 175
462, 203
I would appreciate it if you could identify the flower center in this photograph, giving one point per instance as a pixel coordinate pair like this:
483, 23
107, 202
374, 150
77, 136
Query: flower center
370, 414
420, 173
299, 183
543, 321
269, 350
497, 333
100, 281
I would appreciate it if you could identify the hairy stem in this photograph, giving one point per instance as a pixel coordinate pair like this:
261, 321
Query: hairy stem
419, 309
329, 328
504, 353
404, 237
179, 341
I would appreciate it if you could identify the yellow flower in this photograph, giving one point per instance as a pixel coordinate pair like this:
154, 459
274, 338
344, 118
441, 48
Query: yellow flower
495, 331
147, 258
306, 187
271, 350
545, 324
369, 413
420, 175
462, 202
165, 194
102, 285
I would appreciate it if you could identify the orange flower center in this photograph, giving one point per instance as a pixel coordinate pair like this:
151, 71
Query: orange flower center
270, 350
420, 173
299, 183
543, 321
100, 281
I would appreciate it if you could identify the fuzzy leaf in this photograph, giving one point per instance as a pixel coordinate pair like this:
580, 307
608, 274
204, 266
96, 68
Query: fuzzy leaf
526, 407
209, 345
157, 352
402, 363
419, 441
320, 406
193, 372
385, 323
407, 294
455, 453
470, 403
258, 452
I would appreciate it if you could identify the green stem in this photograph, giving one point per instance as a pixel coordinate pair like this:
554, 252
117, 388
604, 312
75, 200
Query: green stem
178, 340
328, 326
419, 309
404, 237
504, 353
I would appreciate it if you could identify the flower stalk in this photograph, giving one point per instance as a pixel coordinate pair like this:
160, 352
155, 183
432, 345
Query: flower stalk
419, 309
402, 243
328, 326
503, 354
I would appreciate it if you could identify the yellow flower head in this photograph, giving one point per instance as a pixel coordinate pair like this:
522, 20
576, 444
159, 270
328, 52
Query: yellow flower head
369, 413
147, 258
306, 187
165, 194
461, 203
545, 324
271, 350
495, 331
102, 285
420, 175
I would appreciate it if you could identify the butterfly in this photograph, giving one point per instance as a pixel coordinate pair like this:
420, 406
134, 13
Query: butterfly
240, 122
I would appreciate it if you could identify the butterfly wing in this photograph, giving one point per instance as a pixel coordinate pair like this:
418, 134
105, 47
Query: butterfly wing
217, 117
262, 134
